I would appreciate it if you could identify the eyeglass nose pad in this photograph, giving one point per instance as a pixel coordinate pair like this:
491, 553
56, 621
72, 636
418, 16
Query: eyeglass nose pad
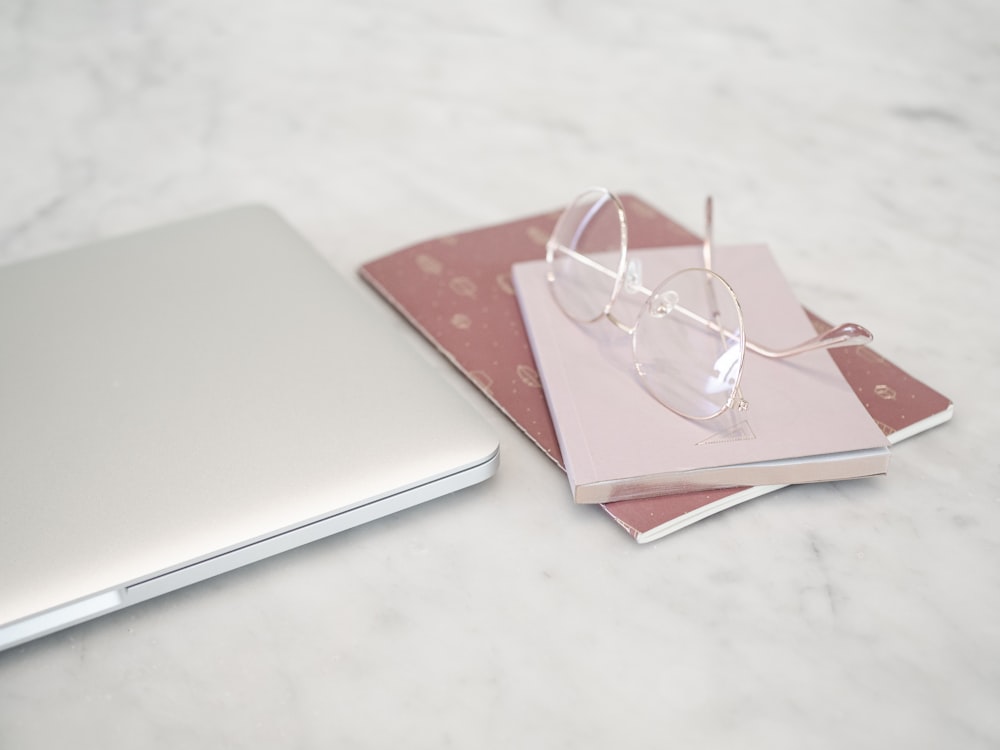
633, 276
664, 303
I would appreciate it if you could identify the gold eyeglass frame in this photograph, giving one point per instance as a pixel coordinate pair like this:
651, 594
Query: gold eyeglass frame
846, 334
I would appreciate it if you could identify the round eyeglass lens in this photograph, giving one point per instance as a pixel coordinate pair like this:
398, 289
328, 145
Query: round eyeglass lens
586, 255
689, 345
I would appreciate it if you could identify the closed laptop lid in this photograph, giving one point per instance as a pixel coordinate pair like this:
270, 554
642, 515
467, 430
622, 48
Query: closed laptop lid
187, 391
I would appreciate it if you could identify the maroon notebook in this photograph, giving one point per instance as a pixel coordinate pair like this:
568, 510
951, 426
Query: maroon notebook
457, 291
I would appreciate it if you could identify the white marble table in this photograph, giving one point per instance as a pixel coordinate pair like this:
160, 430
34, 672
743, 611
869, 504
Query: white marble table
860, 138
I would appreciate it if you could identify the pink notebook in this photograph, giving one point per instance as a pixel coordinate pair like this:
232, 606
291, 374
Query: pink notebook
804, 423
457, 291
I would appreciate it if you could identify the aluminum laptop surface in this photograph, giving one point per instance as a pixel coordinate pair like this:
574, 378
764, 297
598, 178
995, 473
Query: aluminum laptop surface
183, 401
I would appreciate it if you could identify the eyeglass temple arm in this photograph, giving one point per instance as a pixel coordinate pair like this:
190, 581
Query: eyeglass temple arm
706, 248
846, 334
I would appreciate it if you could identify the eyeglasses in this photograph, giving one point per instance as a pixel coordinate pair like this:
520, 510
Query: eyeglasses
688, 342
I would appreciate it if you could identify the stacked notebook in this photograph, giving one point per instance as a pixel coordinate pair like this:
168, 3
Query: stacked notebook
828, 415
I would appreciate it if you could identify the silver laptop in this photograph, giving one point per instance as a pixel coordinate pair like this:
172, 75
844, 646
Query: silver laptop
180, 402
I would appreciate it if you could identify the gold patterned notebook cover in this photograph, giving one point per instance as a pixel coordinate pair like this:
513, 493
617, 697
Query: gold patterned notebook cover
456, 290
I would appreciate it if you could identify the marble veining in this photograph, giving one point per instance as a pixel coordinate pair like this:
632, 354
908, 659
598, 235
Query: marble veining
860, 139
